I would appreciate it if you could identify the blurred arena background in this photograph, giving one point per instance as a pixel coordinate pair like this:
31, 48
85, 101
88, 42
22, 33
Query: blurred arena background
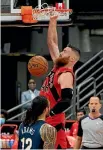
19, 42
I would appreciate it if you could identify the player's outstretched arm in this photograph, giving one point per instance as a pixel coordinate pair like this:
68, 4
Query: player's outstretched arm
52, 38
48, 135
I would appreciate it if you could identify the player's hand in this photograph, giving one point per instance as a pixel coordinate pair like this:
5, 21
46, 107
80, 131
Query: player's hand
53, 14
54, 17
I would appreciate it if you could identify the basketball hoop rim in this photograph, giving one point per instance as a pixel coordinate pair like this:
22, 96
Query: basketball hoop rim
50, 12
37, 10
30, 15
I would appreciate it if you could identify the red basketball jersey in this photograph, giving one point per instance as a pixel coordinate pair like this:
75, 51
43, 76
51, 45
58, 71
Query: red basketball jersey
51, 89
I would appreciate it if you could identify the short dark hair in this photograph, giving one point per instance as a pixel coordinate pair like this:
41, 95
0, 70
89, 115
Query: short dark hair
4, 112
38, 106
81, 110
74, 48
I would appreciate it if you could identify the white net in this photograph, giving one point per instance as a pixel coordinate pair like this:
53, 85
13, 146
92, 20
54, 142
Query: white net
44, 12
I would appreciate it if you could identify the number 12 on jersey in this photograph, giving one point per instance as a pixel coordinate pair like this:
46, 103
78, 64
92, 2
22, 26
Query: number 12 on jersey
28, 142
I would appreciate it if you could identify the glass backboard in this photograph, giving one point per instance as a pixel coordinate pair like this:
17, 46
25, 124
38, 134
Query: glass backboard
11, 9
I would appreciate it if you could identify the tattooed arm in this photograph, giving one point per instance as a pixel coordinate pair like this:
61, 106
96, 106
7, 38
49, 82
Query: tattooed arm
48, 135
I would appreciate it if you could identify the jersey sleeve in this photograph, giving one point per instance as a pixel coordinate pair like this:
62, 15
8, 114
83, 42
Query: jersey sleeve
80, 130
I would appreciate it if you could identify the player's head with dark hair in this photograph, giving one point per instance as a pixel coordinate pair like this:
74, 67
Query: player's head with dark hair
80, 113
3, 116
95, 104
69, 56
76, 50
39, 110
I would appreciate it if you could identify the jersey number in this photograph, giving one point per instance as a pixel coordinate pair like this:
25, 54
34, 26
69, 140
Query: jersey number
27, 141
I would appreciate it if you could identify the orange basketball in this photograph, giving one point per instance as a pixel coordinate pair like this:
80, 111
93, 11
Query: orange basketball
37, 66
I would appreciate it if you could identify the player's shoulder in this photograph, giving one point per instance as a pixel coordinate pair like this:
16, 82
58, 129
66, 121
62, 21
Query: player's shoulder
47, 126
47, 130
21, 125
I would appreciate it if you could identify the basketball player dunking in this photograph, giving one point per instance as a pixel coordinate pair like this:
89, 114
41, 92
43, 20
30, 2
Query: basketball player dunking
58, 85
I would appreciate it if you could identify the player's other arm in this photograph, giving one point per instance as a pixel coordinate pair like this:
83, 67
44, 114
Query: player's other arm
66, 82
48, 135
52, 38
79, 137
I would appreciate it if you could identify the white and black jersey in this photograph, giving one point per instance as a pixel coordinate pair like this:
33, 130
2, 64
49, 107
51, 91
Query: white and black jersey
91, 131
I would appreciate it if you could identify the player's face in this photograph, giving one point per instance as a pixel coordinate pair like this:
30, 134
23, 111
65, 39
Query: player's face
69, 54
94, 104
64, 57
66, 52
79, 115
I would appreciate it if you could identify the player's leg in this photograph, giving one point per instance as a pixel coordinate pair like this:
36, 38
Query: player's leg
61, 142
